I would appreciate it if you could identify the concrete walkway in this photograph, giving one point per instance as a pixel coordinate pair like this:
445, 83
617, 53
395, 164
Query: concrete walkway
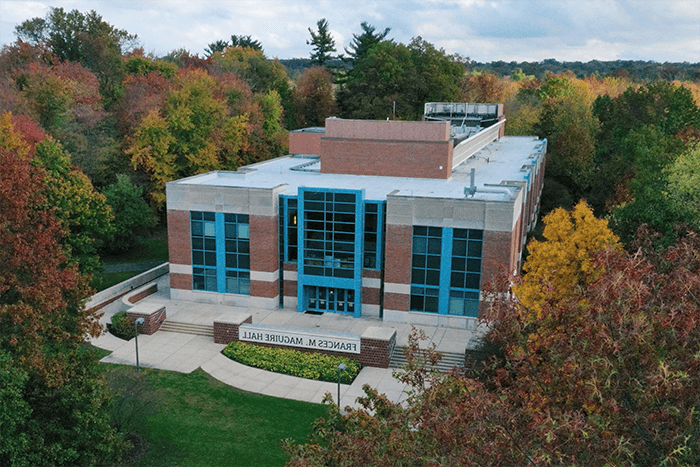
185, 353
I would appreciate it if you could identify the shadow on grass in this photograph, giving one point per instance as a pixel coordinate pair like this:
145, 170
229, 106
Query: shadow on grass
195, 420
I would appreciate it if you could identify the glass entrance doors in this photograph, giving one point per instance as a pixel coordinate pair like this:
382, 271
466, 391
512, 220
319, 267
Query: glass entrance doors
330, 299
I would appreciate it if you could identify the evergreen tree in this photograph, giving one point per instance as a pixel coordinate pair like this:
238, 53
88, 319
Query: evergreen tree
361, 44
322, 43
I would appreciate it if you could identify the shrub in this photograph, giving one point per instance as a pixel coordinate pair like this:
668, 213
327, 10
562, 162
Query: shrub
122, 326
314, 366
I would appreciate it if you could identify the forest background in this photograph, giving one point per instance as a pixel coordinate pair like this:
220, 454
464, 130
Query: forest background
93, 128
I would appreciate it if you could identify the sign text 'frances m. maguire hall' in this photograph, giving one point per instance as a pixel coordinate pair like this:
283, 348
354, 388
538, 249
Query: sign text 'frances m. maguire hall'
300, 338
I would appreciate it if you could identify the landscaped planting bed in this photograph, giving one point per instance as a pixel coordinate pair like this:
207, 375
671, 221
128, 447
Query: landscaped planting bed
314, 366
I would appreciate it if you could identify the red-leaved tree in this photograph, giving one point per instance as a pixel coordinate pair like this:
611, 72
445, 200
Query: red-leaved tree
607, 375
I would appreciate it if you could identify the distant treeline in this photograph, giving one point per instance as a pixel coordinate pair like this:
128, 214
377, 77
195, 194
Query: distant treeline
637, 70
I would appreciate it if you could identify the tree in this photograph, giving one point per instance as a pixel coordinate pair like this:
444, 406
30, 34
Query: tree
131, 213
62, 417
246, 41
218, 46
204, 123
564, 260
683, 187
395, 80
313, 97
80, 209
360, 44
606, 374
84, 38
322, 43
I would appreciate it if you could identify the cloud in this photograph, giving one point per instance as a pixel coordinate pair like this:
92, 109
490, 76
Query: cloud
486, 30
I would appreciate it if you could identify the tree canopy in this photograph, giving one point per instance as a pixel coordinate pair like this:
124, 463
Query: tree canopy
322, 43
606, 374
57, 406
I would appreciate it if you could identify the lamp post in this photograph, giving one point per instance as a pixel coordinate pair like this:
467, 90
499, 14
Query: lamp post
341, 367
138, 322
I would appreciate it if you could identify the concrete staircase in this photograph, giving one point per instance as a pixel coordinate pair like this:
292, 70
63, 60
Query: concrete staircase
206, 330
449, 360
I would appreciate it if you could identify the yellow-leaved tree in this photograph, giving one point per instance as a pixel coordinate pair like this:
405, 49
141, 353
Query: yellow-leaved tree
563, 261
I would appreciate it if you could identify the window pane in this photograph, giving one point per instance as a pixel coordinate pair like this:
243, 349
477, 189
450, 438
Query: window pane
472, 281
243, 231
434, 247
198, 257
456, 307
474, 265
432, 277
230, 230
431, 304
209, 229
459, 248
197, 229
475, 249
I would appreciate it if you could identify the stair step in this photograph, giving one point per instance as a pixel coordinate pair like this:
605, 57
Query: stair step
188, 328
449, 360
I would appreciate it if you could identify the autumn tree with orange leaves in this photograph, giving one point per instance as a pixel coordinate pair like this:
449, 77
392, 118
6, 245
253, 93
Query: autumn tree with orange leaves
604, 374
55, 412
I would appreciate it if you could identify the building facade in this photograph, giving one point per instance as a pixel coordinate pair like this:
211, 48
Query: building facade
399, 221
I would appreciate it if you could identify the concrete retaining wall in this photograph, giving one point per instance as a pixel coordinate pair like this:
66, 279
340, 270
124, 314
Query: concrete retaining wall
107, 296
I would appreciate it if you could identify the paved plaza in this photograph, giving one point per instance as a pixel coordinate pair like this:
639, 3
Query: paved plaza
186, 352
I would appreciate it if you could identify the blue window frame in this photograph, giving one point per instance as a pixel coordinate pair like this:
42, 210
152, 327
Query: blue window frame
373, 235
330, 249
451, 286
237, 249
425, 268
203, 228
465, 272
329, 234
220, 252
288, 229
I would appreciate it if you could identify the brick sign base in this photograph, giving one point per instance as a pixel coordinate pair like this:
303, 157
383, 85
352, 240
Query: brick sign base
376, 344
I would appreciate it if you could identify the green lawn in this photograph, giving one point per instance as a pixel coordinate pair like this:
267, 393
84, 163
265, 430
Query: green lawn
195, 420
147, 249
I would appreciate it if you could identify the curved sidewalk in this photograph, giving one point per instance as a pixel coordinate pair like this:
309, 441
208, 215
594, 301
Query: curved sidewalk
185, 353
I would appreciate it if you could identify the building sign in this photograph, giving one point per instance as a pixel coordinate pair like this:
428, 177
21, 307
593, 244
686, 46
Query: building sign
335, 342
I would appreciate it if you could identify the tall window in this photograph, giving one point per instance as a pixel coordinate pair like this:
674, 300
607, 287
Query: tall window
237, 246
371, 256
465, 274
450, 286
425, 268
203, 228
329, 234
220, 252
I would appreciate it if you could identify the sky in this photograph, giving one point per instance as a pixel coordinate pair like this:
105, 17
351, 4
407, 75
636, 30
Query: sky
485, 31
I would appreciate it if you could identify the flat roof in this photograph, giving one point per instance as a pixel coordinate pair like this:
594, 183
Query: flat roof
502, 162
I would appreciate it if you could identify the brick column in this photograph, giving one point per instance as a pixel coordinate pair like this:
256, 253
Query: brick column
179, 249
376, 346
397, 269
153, 315
264, 256
226, 328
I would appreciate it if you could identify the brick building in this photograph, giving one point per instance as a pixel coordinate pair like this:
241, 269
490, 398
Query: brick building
399, 221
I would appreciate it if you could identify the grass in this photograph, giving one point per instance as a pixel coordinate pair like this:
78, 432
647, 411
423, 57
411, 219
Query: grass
200, 421
148, 249
105, 280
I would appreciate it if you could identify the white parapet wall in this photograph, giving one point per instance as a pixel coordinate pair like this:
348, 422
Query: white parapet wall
113, 293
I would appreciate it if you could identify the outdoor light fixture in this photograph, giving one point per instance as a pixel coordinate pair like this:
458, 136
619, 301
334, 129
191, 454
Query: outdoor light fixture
341, 367
138, 322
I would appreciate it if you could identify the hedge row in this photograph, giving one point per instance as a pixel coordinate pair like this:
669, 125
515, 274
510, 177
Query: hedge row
314, 366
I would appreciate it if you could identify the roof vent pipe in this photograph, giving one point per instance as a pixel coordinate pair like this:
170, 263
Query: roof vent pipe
472, 187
